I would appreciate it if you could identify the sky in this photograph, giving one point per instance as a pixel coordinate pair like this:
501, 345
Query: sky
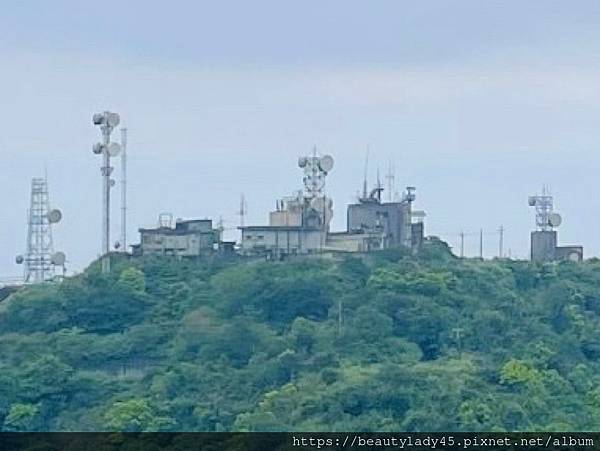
477, 104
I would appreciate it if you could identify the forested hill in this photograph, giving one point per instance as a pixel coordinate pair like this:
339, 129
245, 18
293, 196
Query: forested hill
427, 342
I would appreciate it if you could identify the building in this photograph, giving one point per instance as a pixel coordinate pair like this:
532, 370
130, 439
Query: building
188, 238
300, 223
544, 240
392, 222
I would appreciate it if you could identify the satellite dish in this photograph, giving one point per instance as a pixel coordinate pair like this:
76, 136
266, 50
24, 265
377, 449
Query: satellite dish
98, 119
97, 149
532, 201
58, 258
113, 119
302, 162
574, 256
326, 163
114, 149
19, 259
54, 216
554, 220
112, 183
117, 244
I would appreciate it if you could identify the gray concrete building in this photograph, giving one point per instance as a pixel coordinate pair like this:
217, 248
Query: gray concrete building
544, 240
188, 238
391, 222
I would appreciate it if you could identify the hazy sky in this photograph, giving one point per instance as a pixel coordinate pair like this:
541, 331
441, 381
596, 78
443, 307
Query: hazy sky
477, 103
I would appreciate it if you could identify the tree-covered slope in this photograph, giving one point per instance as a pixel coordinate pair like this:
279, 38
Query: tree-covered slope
382, 342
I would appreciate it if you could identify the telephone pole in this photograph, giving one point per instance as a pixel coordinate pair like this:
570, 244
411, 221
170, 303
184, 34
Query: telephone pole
481, 244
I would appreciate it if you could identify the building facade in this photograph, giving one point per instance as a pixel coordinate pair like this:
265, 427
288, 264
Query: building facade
189, 238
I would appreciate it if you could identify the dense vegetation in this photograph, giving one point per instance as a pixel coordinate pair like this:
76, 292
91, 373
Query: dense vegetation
427, 342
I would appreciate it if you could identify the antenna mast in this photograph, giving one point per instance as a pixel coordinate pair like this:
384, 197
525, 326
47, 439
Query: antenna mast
391, 179
365, 194
107, 122
40, 260
124, 189
243, 210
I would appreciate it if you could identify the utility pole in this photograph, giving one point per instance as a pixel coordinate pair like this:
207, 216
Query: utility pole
340, 317
457, 331
481, 244
124, 189
501, 243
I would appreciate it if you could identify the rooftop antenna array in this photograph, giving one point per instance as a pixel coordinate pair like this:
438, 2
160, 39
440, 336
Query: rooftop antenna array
40, 260
107, 122
315, 171
545, 217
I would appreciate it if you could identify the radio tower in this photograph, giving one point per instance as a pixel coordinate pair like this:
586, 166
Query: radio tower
107, 121
40, 260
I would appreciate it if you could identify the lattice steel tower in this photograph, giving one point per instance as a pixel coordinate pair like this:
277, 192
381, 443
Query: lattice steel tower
40, 260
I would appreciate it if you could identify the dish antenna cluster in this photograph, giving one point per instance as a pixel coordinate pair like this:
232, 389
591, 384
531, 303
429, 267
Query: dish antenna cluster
40, 261
107, 122
315, 171
545, 218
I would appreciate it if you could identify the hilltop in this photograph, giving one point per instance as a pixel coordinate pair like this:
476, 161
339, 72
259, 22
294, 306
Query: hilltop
385, 341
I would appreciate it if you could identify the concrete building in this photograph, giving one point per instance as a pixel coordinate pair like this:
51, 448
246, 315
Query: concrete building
300, 223
391, 222
188, 238
544, 240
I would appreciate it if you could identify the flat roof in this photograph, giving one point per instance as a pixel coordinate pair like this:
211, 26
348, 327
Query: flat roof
279, 228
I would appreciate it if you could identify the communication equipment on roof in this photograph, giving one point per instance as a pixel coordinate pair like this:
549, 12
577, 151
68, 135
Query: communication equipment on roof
326, 163
58, 258
554, 220
54, 216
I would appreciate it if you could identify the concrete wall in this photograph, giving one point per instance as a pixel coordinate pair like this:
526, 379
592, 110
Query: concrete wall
285, 218
284, 240
571, 253
353, 242
393, 218
543, 245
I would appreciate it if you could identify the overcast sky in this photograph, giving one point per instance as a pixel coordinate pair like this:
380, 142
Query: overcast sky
477, 103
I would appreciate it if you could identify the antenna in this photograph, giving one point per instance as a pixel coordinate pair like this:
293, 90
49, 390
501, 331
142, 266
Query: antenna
124, 189
107, 122
221, 228
481, 244
545, 218
40, 259
391, 179
243, 210
501, 242
315, 171
366, 172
